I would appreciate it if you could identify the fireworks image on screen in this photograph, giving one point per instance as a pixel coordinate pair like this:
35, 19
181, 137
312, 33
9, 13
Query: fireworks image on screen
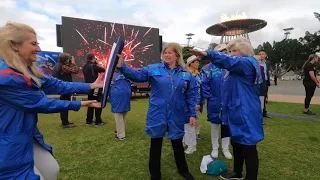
82, 36
137, 42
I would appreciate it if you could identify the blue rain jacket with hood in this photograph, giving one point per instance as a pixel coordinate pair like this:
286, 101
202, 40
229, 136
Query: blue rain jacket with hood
211, 90
240, 101
120, 94
20, 101
172, 100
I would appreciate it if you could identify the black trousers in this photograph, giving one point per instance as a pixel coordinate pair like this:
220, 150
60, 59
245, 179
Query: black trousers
265, 101
155, 157
64, 114
225, 132
309, 88
97, 111
249, 155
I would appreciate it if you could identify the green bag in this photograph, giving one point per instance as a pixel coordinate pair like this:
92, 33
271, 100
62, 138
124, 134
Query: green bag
216, 168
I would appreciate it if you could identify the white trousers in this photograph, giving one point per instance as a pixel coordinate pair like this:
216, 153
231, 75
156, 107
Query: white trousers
215, 138
190, 133
121, 119
261, 102
45, 164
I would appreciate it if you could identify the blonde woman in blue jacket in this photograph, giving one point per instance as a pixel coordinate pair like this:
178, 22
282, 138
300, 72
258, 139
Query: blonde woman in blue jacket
23, 152
172, 104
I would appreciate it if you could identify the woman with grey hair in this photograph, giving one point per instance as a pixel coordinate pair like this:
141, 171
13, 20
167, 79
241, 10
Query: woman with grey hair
241, 104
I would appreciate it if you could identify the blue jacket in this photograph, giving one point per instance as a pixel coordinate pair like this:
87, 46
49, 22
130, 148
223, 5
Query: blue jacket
172, 100
240, 101
20, 101
211, 84
120, 94
199, 98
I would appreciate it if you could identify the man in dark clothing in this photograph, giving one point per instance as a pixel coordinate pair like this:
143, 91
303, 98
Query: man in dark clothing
90, 72
266, 65
63, 70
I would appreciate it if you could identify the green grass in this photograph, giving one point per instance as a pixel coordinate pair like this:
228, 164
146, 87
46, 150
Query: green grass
292, 108
290, 149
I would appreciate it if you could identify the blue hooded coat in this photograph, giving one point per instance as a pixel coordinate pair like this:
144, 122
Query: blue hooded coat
211, 87
240, 100
120, 94
172, 100
20, 101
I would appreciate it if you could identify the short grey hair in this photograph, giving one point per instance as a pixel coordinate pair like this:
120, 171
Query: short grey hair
243, 45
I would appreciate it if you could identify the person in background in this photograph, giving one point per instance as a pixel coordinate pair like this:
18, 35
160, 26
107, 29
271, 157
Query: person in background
91, 71
24, 89
172, 104
310, 81
262, 85
266, 66
191, 133
241, 104
120, 95
63, 70
211, 91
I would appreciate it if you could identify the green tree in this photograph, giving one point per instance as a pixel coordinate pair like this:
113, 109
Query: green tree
317, 15
186, 52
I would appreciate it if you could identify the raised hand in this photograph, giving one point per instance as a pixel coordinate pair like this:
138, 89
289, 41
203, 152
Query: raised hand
198, 53
99, 82
120, 61
192, 121
91, 103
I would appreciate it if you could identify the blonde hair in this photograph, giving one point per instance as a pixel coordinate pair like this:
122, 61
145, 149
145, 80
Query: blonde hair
14, 33
311, 57
176, 48
243, 45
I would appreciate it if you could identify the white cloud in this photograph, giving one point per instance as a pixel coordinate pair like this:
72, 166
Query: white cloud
173, 18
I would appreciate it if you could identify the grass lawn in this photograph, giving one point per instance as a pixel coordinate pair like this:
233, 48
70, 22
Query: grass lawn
290, 149
292, 108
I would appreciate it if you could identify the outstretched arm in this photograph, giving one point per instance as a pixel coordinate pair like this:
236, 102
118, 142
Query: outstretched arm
134, 75
52, 85
234, 64
34, 101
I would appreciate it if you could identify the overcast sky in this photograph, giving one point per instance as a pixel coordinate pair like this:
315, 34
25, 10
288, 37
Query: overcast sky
174, 18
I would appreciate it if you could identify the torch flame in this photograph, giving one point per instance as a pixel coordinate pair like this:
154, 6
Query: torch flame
225, 17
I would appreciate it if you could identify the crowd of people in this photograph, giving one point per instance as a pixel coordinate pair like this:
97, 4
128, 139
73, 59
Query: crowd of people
233, 87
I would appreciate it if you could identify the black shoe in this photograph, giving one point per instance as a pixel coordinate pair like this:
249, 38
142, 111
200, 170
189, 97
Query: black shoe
90, 123
231, 175
266, 116
187, 176
120, 139
199, 137
309, 113
70, 125
101, 123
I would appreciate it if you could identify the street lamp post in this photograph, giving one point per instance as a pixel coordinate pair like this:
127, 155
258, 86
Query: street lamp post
189, 38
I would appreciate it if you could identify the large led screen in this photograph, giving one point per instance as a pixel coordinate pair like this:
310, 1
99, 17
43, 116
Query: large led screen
81, 36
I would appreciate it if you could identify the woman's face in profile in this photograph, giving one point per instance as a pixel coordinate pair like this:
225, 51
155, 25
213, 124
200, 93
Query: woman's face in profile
233, 51
29, 48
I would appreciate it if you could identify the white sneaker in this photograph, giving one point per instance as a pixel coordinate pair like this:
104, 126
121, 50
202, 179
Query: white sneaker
190, 150
215, 153
184, 144
227, 154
